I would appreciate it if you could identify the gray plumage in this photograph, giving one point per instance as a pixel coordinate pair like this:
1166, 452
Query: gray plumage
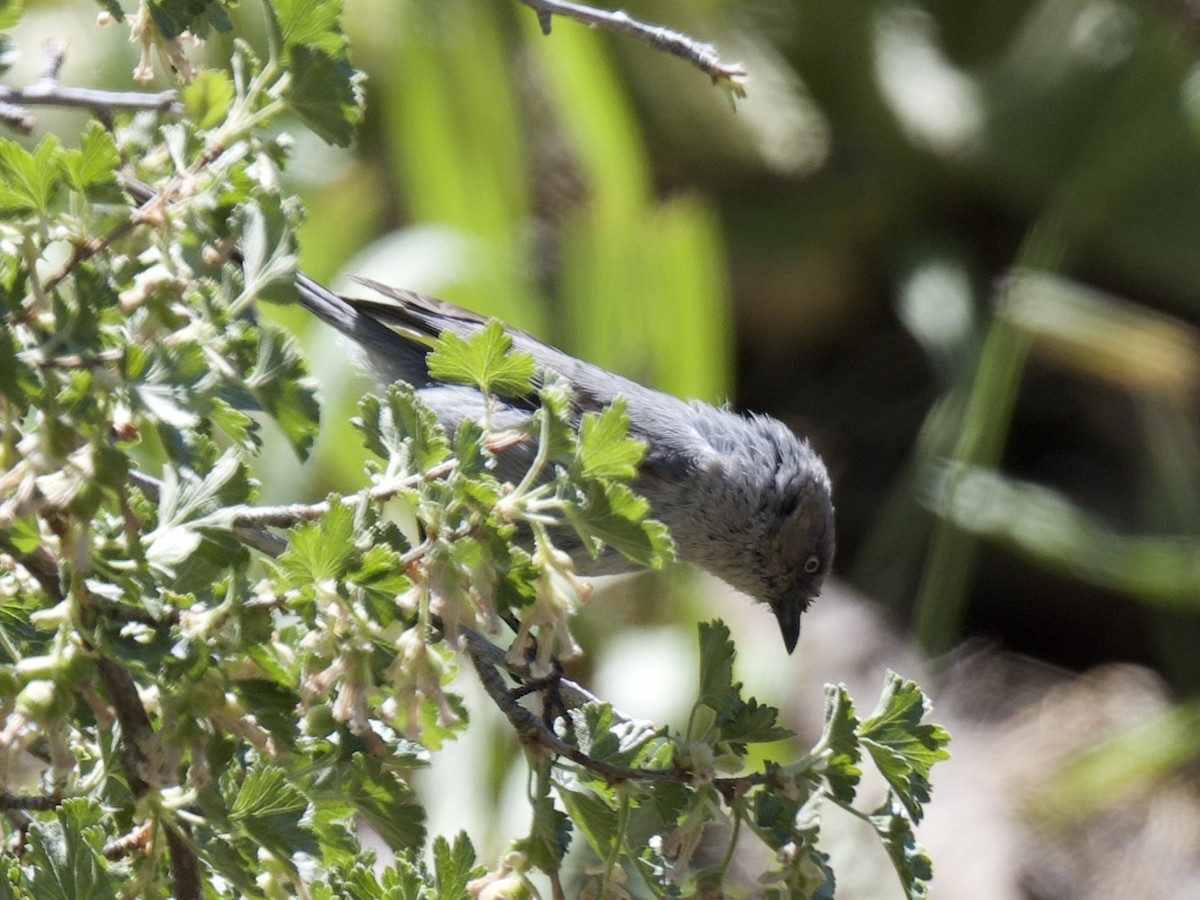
743, 497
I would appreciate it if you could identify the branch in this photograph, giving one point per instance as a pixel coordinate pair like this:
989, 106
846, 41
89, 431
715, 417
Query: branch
135, 841
488, 659
703, 56
35, 802
485, 655
49, 92
295, 513
137, 733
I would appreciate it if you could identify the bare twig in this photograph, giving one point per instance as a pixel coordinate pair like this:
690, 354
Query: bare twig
49, 92
125, 845
16, 117
35, 802
295, 513
80, 361
703, 56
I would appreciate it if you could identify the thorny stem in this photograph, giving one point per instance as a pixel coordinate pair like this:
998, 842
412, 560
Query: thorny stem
703, 56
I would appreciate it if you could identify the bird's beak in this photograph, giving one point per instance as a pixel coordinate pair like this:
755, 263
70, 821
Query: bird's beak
788, 615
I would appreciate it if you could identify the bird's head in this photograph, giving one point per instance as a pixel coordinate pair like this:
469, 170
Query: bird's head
798, 559
786, 542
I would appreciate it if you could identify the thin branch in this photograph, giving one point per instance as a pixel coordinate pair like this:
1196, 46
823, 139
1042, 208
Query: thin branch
127, 844
531, 730
295, 513
17, 118
81, 361
49, 92
703, 56
35, 802
54, 54
137, 733
94, 99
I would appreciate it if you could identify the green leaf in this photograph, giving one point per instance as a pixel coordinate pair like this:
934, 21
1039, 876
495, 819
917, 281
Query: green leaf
95, 162
605, 450
385, 801
18, 380
270, 809
311, 23
29, 181
717, 690
484, 360
207, 99
553, 419
10, 13
166, 384
402, 430
66, 854
189, 544
734, 722
602, 736
595, 819
909, 858
612, 513
750, 722
469, 439
325, 94
795, 822
379, 573
280, 384
268, 248
549, 837
453, 866
322, 550
240, 428
272, 703
839, 744
902, 746
173, 17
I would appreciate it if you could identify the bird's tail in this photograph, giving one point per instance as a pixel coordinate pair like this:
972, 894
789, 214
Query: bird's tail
392, 356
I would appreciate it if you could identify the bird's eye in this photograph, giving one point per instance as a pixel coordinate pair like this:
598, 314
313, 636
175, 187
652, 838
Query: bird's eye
812, 564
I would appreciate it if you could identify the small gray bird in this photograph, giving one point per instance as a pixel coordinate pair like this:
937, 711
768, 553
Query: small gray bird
742, 496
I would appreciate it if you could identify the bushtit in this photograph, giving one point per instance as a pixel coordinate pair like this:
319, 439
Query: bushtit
742, 496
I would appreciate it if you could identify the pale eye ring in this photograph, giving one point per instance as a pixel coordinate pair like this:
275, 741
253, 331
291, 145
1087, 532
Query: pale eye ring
812, 564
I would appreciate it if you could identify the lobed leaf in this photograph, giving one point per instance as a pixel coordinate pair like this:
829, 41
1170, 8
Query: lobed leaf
484, 360
901, 745
605, 449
